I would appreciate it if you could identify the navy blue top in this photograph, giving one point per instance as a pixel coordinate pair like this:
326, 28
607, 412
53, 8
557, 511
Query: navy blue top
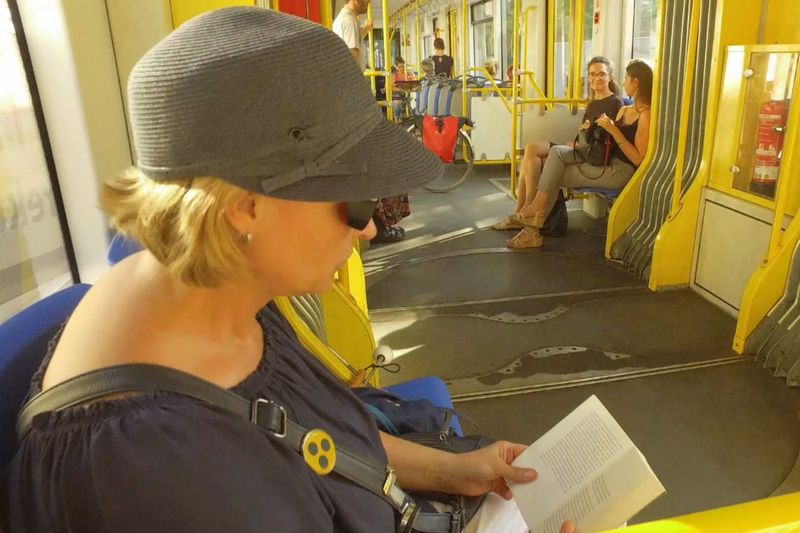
161, 462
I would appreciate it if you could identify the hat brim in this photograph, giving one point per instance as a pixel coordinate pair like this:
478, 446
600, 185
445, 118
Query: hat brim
391, 162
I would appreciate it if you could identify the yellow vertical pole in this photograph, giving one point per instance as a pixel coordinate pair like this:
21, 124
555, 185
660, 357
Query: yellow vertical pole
452, 24
370, 48
403, 34
326, 13
515, 106
419, 38
551, 55
387, 68
577, 58
464, 41
683, 132
571, 40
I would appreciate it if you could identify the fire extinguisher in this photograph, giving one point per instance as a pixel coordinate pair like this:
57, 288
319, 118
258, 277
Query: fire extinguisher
769, 143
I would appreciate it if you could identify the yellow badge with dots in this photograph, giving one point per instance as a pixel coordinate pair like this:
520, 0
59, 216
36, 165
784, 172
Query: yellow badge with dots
319, 451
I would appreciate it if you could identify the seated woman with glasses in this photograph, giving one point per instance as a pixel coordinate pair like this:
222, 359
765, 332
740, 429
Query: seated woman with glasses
604, 99
240, 194
565, 167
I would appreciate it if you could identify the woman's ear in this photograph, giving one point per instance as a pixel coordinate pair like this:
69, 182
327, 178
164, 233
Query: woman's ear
240, 213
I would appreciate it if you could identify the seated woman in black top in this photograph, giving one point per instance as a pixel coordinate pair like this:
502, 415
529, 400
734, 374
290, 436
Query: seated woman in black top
240, 194
630, 137
604, 99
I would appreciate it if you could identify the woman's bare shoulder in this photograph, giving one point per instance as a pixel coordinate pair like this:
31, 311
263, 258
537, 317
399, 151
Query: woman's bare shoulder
110, 323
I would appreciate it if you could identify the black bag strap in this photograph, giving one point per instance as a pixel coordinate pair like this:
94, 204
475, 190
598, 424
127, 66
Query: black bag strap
363, 470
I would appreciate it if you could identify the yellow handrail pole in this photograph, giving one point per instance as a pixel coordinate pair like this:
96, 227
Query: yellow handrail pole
419, 39
494, 87
577, 66
371, 46
575, 101
683, 132
551, 38
529, 74
514, 95
326, 13
387, 79
784, 184
403, 33
464, 43
571, 40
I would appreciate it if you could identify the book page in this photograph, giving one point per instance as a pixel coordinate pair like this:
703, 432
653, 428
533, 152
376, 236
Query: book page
590, 472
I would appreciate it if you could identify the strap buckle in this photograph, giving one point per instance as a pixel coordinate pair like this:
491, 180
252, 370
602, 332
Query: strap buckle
389, 482
275, 420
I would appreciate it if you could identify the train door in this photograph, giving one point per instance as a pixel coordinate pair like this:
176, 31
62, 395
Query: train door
740, 206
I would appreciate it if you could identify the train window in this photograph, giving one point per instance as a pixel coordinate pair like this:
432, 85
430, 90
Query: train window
562, 52
482, 32
561, 48
508, 35
586, 48
766, 107
34, 260
645, 32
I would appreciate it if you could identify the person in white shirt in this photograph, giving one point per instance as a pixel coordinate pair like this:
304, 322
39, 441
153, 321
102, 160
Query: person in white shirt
345, 25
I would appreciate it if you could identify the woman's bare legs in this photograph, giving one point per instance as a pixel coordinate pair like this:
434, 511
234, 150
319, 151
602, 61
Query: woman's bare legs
530, 169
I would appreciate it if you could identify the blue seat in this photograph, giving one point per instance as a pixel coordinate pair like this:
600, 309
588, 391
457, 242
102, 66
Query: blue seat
428, 388
120, 248
608, 194
24, 338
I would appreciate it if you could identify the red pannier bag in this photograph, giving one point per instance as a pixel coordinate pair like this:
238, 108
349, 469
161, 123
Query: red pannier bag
439, 135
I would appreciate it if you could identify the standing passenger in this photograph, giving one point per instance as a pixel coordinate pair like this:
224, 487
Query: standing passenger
345, 25
442, 63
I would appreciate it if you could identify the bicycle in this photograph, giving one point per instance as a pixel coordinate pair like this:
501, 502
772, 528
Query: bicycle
458, 158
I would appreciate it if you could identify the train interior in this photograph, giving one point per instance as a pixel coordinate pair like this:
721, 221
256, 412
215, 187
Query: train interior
673, 300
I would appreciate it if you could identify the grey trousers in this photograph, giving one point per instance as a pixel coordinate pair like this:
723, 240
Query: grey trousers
565, 167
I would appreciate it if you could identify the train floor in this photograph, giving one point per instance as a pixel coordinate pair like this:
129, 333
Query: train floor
523, 337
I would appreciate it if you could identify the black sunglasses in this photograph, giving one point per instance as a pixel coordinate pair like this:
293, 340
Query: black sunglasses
360, 213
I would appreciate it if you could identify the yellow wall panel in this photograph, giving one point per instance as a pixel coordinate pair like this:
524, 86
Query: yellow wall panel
183, 10
782, 27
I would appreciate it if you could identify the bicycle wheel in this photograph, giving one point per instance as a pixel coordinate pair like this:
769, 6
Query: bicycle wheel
455, 173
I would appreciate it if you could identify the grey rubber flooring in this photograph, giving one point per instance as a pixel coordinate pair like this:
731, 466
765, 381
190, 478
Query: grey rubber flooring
522, 338
499, 345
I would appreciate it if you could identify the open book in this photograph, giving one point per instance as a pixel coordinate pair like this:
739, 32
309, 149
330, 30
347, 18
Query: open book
590, 472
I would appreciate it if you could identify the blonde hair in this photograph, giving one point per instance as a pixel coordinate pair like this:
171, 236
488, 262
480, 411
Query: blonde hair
181, 222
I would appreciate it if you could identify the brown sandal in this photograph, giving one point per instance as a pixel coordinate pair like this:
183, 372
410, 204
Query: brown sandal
507, 223
527, 238
535, 220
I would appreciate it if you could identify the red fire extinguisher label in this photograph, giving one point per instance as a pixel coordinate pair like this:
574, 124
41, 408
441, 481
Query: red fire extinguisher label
769, 142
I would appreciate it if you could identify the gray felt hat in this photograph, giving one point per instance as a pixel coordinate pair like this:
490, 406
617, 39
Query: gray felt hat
273, 104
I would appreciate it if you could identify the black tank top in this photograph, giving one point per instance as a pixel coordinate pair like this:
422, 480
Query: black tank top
629, 132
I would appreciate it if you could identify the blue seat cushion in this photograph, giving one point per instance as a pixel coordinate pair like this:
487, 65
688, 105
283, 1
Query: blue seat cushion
611, 194
23, 344
120, 248
428, 388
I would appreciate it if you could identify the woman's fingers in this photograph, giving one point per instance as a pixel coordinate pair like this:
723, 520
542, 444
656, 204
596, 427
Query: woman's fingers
567, 527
